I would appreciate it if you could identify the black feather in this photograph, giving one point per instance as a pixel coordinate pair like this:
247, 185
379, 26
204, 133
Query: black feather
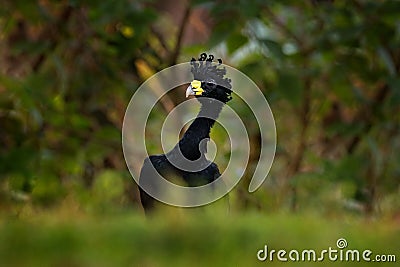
189, 146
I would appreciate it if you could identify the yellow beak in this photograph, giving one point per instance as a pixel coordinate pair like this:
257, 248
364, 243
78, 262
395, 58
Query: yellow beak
194, 88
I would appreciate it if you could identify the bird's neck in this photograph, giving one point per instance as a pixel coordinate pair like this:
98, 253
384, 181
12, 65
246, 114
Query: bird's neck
200, 130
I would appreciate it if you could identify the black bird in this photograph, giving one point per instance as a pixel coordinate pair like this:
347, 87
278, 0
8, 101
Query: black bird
213, 91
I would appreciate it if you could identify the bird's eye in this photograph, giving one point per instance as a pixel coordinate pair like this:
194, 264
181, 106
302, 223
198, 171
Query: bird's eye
211, 83
210, 80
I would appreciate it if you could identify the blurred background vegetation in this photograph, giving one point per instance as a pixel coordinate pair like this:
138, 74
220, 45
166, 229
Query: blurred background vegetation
329, 69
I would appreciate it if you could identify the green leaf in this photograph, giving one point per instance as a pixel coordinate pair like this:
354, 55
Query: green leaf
108, 185
387, 60
274, 48
235, 41
290, 87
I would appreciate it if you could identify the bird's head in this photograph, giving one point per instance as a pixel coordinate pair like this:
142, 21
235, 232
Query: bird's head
208, 89
209, 81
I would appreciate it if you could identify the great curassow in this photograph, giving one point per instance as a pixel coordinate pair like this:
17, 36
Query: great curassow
213, 91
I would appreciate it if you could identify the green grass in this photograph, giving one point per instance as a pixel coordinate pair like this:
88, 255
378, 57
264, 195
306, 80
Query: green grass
198, 239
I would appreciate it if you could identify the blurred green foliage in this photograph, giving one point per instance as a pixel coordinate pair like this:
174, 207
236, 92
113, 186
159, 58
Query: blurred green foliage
196, 240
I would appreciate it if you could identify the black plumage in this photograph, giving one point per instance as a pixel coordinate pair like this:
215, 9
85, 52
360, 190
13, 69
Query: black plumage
213, 91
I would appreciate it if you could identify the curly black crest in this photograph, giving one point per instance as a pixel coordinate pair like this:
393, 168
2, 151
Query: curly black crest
204, 69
